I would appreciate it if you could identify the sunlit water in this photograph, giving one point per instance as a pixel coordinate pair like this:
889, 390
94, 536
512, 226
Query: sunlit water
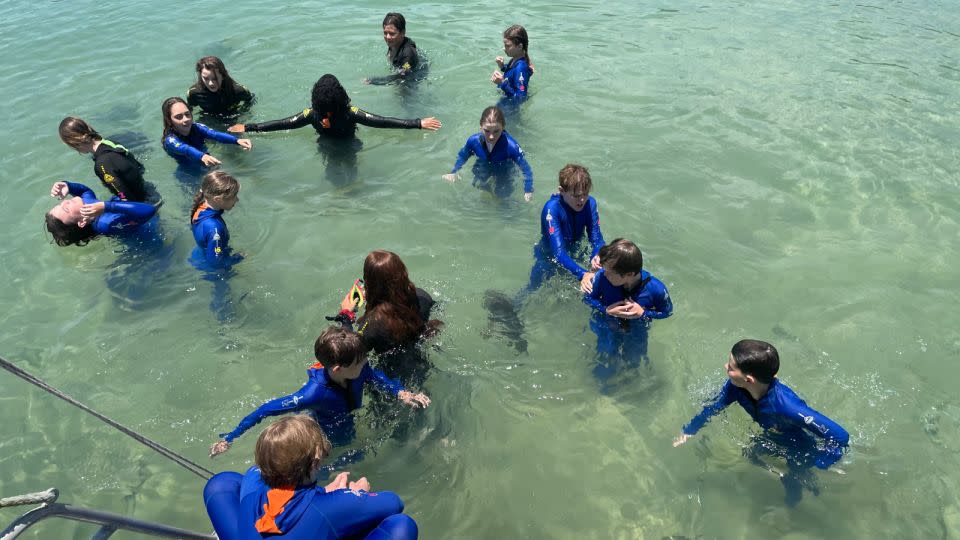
789, 169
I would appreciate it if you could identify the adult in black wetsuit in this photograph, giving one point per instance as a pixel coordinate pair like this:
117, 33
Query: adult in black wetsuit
333, 116
114, 165
397, 316
215, 91
401, 52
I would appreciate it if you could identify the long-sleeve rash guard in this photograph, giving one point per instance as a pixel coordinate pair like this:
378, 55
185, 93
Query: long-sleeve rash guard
118, 217
322, 122
562, 228
782, 411
329, 403
516, 78
212, 237
222, 102
505, 148
405, 61
649, 292
190, 149
121, 173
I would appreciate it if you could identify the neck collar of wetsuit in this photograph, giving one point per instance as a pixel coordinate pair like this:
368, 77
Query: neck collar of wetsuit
488, 149
644, 279
204, 211
280, 509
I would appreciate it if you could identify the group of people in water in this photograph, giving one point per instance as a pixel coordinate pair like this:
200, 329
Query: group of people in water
280, 495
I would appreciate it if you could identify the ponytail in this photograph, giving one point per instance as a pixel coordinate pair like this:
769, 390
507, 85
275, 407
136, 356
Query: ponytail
75, 133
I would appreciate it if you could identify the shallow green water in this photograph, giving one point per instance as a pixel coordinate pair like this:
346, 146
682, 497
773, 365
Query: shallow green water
789, 169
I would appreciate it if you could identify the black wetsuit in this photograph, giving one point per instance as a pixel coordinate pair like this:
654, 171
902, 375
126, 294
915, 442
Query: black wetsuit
122, 174
406, 61
377, 337
323, 122
223, 102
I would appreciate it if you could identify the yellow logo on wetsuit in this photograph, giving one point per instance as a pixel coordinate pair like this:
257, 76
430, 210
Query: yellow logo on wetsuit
406, 65
107, 177
217, 250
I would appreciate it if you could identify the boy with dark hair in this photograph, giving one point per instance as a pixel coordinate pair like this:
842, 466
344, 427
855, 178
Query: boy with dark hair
333, 390
280, 498
625, 298
786, 419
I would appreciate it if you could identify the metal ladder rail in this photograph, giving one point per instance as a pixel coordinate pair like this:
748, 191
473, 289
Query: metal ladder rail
110, 523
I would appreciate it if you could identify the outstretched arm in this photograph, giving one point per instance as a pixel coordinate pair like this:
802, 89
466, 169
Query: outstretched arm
302, 118
527, 171
174, 145
306, 397
726, 396
118, 215
218, 136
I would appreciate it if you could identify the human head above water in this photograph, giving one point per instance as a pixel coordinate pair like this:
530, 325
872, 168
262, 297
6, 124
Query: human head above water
219, 189
77, 134
757, 359
169, 123
492, 124
518, 36
213, 75
338, 347
623, 256
290, 450
575, 178
64, 223
328, 95
394, 29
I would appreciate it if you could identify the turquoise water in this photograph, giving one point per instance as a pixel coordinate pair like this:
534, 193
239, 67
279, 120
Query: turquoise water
789, 169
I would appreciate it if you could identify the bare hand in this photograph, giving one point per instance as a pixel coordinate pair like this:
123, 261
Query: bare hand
430, 123
681, 439
366, 81
528, 196
209, 160
349, 302
625, 310
496, 78
414, 400
237, 128
595, 262
246, 144
360, 485
499, 61
452, 177
586, 283
59, 190
340, 482
90, 212
218, 448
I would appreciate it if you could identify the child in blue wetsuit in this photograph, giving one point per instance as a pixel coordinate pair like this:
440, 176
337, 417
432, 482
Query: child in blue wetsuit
333, 390
184, 139
493, 147
788, 422
625, 298
77, 220
218, 193
280, 498
513, 78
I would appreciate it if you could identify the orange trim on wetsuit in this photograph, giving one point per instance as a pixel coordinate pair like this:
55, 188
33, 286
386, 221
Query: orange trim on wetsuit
317, 365
277, 498
203, 206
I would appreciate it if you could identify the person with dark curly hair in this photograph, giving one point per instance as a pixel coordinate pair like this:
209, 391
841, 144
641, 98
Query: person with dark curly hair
332, 115
77, 220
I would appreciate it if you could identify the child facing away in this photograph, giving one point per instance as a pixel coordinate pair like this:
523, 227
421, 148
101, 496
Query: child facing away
219, 192
334, 389
279, 497
513, 78
625, 298
787, 421
185, 140
493, 147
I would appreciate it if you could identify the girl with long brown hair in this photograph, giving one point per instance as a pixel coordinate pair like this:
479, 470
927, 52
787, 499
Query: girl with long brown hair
215, 91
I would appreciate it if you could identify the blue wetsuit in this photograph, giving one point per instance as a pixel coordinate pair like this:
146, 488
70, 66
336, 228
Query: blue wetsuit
505, 149
329, 403
213, 239
243, 507
561, 230
516, 78
190, 149
119, 218
785, 418
630, 335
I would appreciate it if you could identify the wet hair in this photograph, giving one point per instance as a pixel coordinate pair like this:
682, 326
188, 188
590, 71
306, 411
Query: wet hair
575, 178
397, 20
518, 35
757, 358
286, 451
215, 184
330, 100
493, 114
392, 298
216, 65
67, 234
74, 132
165, 109
623, 256
337, 346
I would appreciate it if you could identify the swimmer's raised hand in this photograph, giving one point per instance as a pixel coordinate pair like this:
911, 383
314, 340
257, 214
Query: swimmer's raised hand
90, 212
246, 144
499, 61
340, 482
237, 128
682, 438
59, 190
414, 400
451, 177
209, 160
595, 262
430, 123
527, 197
586, 283
496, 78
218, 448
